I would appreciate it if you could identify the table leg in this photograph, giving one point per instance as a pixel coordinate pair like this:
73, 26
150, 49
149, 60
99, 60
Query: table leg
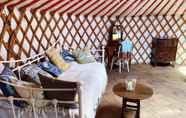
123, 108
138, 110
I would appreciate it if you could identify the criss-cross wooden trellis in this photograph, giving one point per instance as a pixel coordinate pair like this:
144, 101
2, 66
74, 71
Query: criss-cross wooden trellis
24, 33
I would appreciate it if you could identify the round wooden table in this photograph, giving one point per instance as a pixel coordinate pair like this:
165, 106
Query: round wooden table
140, 93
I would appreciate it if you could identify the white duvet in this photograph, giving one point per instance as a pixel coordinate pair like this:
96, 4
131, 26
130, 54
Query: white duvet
94, 80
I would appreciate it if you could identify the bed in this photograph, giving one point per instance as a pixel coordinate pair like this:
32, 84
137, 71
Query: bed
91, 80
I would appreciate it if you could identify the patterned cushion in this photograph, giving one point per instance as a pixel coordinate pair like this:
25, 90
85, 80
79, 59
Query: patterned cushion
31, 72
50, 68
8, 90
55, 57
84, 56
68, 57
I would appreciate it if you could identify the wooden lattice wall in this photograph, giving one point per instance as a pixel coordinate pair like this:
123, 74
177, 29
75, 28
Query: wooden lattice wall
24, 34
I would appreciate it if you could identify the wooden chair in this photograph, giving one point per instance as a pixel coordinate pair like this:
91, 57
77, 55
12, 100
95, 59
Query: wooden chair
124, 55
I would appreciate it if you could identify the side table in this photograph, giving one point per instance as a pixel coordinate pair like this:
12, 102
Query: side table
140, 93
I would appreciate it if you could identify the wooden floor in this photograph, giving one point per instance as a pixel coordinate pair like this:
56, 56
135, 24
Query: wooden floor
168, 101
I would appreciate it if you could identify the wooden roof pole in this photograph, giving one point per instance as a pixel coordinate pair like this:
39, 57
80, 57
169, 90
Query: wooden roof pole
170, 7
120, 6
15, 4
148, 7
42, 5
112, 1
85, 9
97, 7
153, 10
109, 10
70, 7
182, 3
141, 7
141, 1
29, 4
73, 12
131, 4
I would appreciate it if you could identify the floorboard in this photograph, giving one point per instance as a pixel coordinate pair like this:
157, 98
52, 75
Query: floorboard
168, 100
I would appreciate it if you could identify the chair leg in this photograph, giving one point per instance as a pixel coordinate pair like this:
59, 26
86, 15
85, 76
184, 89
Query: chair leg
128, 66
120, 65
123, 64
112, 63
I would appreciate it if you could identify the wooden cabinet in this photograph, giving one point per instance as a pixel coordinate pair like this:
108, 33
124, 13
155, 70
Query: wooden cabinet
164, 50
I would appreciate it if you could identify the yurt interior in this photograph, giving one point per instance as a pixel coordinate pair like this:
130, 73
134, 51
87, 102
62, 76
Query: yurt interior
92, 58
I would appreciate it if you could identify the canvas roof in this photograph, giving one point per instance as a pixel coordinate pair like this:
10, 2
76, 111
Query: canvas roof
110, 8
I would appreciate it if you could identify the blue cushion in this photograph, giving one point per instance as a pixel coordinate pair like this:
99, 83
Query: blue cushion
67, 56
32, 72
126, 46
50, 68
9, 90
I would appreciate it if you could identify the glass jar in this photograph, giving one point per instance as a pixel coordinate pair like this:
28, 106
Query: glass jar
130, 84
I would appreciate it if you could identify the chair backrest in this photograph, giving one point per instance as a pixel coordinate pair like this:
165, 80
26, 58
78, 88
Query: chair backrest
126, 46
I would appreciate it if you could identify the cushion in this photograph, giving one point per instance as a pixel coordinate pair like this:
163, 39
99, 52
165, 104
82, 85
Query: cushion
50, 68
1, 67
67, 56
51, 83
126, 46
26, 93
55, 57
30, 73
8, 90
84, 56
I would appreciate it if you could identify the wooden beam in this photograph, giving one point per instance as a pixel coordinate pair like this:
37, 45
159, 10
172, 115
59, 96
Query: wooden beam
101, 10
31, 3
141, 1
97, 7
109, 10
4, 3
148, 7
42, 5
119, 7
170, 7
182, 3
130, 5
73, 12
155, 8
61, 7
141, 7
164, 6
53, 5
15, 4
88, 7
70, 7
